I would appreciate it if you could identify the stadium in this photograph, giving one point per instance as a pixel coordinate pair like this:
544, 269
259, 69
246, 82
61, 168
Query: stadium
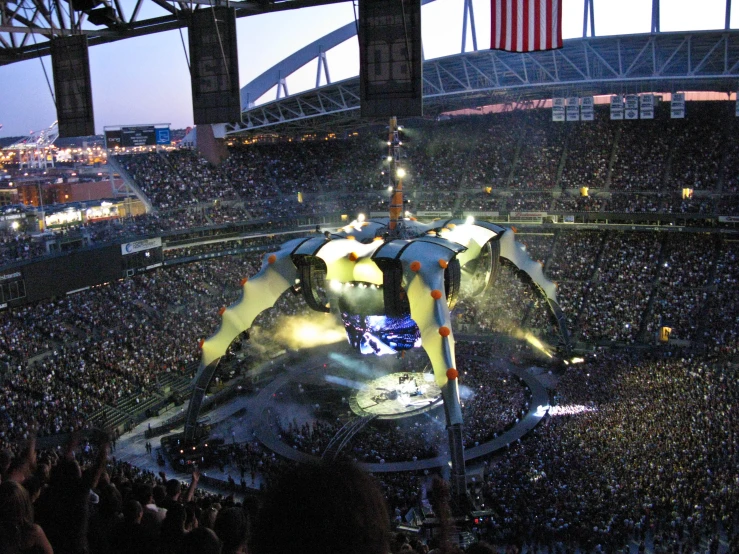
200, 326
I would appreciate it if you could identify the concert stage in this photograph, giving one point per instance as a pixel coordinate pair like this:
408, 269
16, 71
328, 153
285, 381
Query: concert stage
397, 395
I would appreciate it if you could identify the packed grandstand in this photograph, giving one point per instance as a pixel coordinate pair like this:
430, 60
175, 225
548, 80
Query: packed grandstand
631, 219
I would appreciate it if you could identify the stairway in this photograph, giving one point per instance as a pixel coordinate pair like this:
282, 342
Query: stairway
646, 317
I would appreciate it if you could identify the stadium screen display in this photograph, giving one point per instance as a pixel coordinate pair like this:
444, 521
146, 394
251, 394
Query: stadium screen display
381, 334
131, 137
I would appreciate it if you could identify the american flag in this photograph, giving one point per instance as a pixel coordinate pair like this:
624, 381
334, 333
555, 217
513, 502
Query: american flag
526, 25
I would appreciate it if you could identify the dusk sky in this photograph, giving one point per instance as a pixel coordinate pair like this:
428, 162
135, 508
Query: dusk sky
146, 80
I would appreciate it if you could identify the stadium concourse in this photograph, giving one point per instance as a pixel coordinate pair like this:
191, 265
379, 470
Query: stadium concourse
638, 451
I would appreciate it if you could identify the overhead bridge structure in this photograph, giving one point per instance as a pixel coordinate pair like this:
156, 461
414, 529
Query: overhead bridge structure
655, 62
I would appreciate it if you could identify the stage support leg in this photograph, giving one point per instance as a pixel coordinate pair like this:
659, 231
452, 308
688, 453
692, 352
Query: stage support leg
458, 474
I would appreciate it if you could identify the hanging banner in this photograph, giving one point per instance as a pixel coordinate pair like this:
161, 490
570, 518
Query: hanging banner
587, 108
390, 58
573, 108
646, 106
558, 109
632, 107
677, 106
617, 107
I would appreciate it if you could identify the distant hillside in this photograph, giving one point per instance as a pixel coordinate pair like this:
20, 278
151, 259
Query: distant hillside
7, 141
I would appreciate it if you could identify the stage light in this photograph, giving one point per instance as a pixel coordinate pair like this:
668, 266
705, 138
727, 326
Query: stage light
390, 189
572, 409
361, 218
470, 220
536, 343
335, 285
390, 158
400, 173
308, 334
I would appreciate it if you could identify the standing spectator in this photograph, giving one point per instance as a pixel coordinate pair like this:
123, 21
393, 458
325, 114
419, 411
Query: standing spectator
64, 506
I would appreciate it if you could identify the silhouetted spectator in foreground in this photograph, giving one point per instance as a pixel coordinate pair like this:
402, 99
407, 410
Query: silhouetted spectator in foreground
333, 508
64, 506
129, 537
18, 532
232, 527
173, 529
201, 541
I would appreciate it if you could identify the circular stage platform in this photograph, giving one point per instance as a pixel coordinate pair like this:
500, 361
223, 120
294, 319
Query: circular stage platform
325, 386
397, 395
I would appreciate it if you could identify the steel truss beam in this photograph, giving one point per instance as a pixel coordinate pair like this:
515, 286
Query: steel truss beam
665, 62
43, 19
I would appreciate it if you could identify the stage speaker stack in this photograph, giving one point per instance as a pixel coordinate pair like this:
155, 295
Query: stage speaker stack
70, 64
390, 58
214, 66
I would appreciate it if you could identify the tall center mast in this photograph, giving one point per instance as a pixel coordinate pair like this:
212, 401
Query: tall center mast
395, 226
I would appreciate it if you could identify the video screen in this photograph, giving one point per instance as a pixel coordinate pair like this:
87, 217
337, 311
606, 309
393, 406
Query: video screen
381, 334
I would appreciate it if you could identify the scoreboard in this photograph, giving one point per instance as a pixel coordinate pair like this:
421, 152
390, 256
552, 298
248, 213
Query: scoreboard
140, 135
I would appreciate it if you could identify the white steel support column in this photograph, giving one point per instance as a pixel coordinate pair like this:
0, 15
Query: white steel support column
469, 13
727, 22
282, 88
588, 14
322, 64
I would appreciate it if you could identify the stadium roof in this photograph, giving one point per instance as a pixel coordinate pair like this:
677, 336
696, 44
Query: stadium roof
628, 64
27, 25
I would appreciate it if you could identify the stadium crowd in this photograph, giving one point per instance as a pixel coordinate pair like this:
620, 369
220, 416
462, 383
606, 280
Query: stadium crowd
622, 295
509, 162
644, 449
65, 359
648, 452
74, 500
613, 464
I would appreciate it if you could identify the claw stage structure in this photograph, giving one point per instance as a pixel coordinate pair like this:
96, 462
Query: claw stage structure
396, 268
